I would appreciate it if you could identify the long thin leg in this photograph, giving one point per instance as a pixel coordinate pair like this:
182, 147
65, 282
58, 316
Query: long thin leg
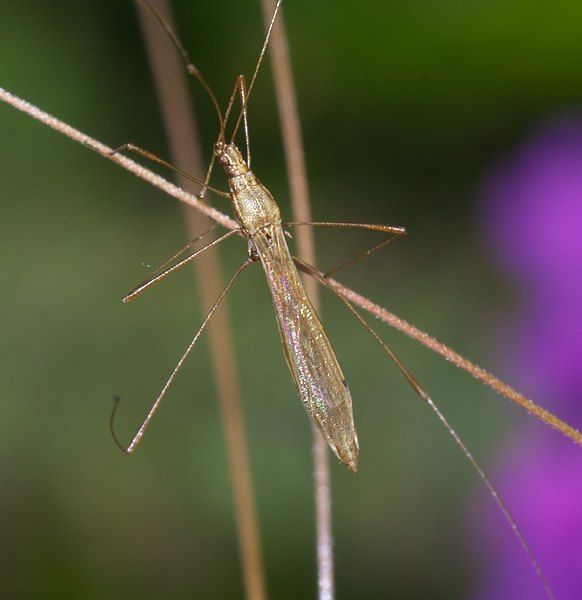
243, 102
183, 249
160, 161
239, 89
157, 276
395, 232
306, 268
139, 434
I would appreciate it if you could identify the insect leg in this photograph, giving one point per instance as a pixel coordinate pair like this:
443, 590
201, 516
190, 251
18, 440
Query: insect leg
243, 92
394, 232
184, 248
160, 161
306, 268
159, 274
139, 434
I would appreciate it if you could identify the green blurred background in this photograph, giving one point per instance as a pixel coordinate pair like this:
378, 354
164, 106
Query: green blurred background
405, 106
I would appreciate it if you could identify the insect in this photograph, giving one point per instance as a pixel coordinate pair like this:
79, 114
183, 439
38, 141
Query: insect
313, 364
307, 350
270, 254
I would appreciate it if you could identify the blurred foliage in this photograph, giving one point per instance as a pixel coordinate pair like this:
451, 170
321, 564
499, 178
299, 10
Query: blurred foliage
405, 106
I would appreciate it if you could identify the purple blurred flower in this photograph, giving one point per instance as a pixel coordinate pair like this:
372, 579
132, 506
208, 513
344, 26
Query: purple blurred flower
532, 213
533, 210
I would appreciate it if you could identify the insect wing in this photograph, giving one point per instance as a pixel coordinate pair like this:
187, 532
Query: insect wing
311, 359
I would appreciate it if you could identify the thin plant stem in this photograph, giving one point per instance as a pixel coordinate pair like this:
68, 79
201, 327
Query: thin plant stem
301, 208
181, 130
458, 360
361, 301
127, 163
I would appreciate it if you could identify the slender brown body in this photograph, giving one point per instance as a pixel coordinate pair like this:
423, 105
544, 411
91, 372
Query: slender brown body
311, 359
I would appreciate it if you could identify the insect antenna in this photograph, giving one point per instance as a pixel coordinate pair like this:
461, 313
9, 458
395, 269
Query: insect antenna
306, 268
193, 70
239, 86
190, 66
164, 163
245, 100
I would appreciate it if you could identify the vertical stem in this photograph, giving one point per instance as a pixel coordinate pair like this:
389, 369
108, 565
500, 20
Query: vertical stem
299, 191
175, 105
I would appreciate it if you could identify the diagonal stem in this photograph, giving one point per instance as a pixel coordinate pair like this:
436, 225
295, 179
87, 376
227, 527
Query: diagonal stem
107, 152
299, 192
175, 105
458, 360
361, 301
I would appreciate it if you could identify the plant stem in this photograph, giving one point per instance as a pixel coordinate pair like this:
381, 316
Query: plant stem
181, 131
357, 299
301, 207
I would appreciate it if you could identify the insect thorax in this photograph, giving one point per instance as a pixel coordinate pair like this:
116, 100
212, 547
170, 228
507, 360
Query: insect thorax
252, 203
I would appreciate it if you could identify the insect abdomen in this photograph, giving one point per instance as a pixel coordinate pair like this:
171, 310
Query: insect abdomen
310, 357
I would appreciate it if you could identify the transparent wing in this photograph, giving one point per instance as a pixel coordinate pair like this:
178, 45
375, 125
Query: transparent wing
311, 359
